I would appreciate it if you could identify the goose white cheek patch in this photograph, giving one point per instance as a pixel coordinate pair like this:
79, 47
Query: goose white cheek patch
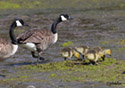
18, 23
63, 18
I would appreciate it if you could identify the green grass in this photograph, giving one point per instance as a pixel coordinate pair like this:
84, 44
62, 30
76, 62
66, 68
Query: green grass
86, 4
9, 5
67, 44
109, 71
104, 42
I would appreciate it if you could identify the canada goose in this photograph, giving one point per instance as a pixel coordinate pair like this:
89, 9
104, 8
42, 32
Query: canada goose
82, 49
93, 55
68, 52
7, 48
40, 40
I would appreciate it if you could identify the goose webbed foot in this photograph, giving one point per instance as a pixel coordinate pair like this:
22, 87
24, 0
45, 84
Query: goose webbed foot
40, 60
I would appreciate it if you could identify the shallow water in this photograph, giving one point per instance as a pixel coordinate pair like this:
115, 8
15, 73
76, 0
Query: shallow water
95, 27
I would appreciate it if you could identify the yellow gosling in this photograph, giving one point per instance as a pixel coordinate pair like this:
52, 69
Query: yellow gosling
68, 52
92, 56
98, 48
104, 52
82, 49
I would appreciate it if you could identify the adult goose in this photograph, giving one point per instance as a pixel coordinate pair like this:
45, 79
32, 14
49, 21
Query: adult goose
39, 40
7, 48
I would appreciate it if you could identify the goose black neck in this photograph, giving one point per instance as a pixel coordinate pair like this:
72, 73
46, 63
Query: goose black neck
53, 28
12, 36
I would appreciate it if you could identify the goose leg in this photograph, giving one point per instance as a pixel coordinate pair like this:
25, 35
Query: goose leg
33, 54
40, 59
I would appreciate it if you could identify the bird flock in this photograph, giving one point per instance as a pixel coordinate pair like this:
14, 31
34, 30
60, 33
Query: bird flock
92, 54
38, 40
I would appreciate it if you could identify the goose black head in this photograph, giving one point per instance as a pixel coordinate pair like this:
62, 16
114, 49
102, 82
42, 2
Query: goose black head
20, 22
64, 17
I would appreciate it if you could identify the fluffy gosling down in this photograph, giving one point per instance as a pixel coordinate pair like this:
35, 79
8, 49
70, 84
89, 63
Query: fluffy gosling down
68, 52
93, 55
104, 52
82, 49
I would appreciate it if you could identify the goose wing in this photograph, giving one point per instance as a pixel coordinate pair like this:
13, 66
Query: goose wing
34, 36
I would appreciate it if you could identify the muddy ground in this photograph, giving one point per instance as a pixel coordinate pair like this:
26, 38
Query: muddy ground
94, 26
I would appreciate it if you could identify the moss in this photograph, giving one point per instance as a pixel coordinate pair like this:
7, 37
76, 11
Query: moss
104, 42
85, 4
69, 71
107, 71
9, 5
122, 5
122, 41
67, 44
120, 49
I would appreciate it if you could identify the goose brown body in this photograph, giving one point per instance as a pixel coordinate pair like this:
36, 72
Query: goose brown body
6, 49
41, 38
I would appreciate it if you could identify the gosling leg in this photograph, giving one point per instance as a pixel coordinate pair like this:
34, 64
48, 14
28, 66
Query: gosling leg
83, 57
93, 63
103, 58
65, 58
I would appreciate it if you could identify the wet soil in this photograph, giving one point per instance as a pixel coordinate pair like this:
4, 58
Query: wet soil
94, 27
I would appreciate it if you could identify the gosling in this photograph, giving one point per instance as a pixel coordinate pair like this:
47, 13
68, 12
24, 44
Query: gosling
104, 52
82, 50
99, 49
93, 55
68, 52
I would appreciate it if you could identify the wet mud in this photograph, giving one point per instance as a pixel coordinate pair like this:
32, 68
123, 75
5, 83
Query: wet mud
103, 27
